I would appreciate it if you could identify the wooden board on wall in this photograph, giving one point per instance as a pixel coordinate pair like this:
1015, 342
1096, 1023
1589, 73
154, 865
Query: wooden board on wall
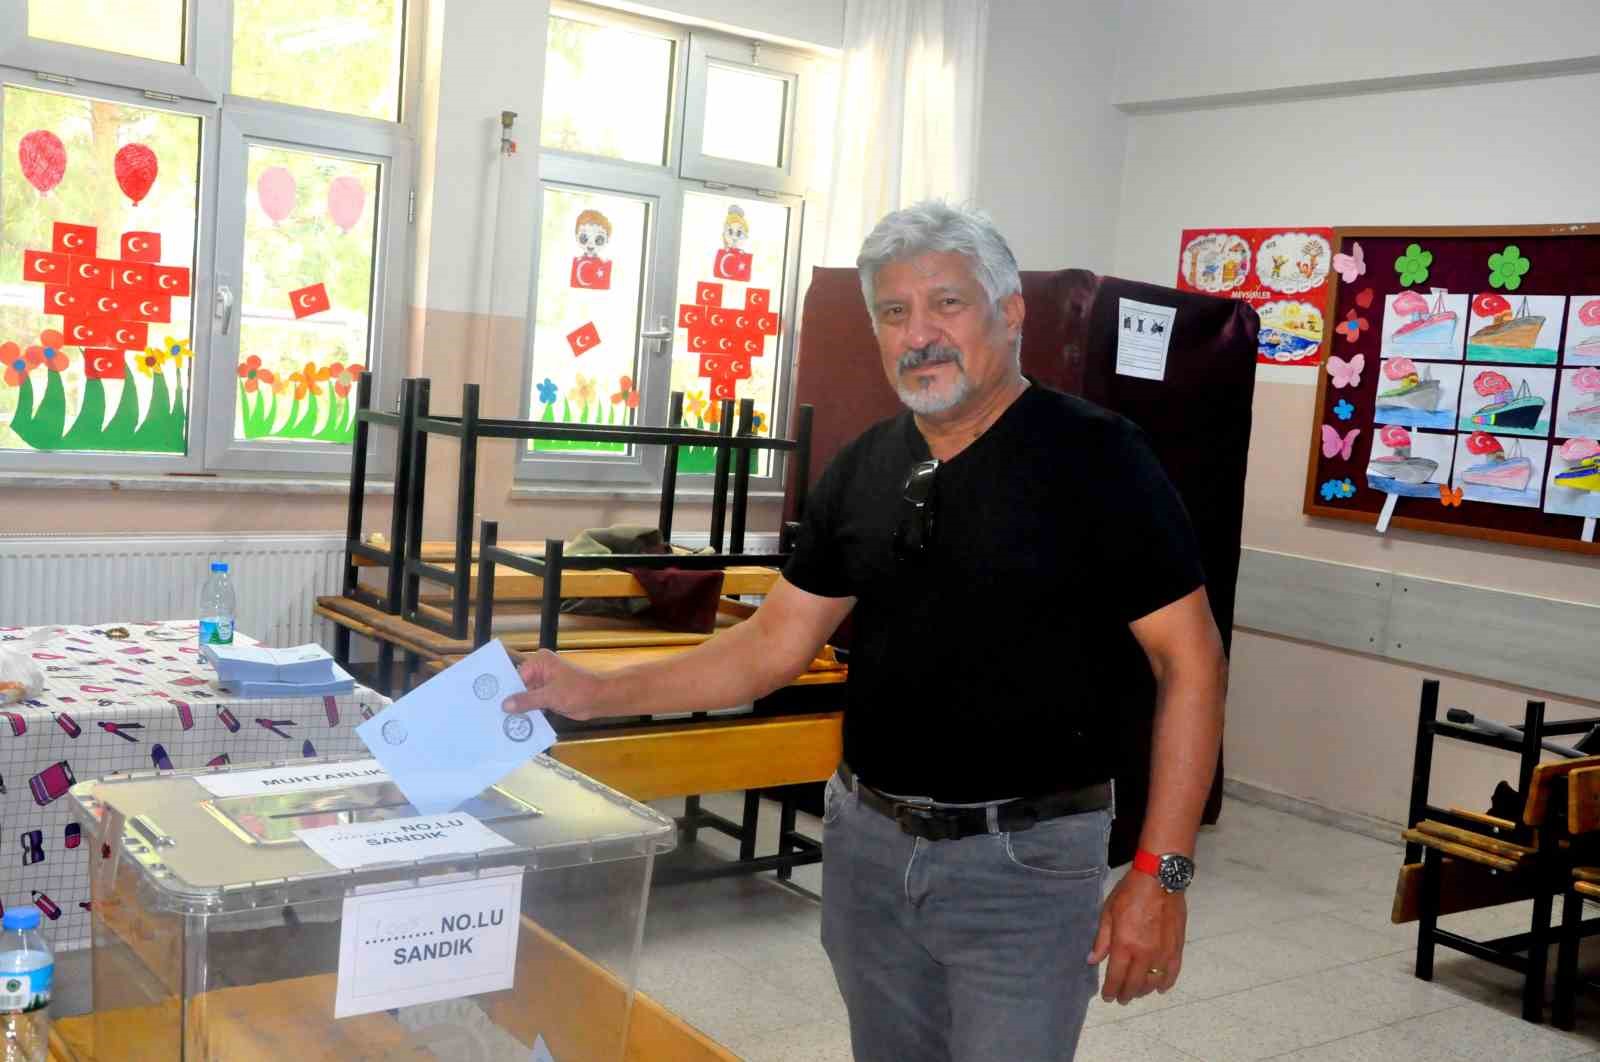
1563, 262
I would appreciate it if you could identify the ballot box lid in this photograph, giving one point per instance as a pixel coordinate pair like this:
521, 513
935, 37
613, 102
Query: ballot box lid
224, 838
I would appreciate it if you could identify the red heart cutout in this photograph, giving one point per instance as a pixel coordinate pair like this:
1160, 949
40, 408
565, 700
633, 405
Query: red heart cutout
1364, 299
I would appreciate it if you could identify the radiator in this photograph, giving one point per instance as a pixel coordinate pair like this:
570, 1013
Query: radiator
81, 579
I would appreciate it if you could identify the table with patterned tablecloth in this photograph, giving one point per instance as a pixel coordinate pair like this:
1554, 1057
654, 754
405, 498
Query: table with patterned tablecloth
122, 696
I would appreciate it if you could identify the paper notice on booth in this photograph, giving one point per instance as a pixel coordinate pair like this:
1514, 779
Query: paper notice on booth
292, 779
1143, 333
362, 844
434, 942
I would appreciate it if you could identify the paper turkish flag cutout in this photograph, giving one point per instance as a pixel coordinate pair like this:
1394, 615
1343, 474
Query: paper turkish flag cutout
44, 267
732, 264
126, 335
141, 246
94, 273
104, 364
169, 280
131, 278
708, 294
104, 305
86, 332
153, 309
690, 316
757, 299
583, 339
74, 239
591, 273
309, 300
65, 300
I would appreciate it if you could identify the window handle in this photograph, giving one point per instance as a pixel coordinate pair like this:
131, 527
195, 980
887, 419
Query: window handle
224, 307
660, 335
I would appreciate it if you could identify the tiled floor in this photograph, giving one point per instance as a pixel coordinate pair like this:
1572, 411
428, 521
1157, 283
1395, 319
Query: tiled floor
1291, 956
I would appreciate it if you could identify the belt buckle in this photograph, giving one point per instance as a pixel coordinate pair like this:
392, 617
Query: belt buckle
920, 821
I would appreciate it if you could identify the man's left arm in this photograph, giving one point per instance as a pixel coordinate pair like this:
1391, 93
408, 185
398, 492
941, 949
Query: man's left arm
1142, 925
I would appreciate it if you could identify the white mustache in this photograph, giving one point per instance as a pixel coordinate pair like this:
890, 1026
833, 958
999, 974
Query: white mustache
932, 354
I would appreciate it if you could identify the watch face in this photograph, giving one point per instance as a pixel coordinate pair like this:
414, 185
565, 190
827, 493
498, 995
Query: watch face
1176, 872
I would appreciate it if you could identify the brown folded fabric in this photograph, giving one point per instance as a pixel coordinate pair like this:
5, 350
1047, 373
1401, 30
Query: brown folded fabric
681, 600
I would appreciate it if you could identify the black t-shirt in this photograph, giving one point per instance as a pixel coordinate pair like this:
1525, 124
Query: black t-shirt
977, 672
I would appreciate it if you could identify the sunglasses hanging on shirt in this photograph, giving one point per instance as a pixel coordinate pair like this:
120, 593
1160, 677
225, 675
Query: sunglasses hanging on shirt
913, 536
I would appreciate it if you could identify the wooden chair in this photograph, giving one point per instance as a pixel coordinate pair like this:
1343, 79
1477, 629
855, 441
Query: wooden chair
1470, 860
1583, 825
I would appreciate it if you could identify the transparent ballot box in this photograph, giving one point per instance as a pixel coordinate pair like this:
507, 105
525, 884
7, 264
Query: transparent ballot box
220, 933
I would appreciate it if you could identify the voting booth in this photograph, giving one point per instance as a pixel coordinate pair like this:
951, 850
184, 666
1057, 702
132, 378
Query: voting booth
305, 911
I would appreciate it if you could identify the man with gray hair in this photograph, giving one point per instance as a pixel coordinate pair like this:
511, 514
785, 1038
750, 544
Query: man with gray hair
965, 833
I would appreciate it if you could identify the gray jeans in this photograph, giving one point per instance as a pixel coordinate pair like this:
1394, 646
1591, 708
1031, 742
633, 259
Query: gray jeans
963, 950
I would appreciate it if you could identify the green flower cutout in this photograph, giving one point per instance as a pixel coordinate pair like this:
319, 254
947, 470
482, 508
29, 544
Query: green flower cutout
1507, 268
1413, 265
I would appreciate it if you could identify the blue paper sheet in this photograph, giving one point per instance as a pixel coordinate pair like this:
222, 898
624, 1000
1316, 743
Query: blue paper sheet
448, 740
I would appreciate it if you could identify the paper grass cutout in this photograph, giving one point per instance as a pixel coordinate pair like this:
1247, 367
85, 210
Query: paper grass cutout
1346, 373
1350, 266
1352, 326
1336, 445
43, 158
306, 301
1413, 265
1338, 490
1343, 410
726, 338
347, 201
275, 191
583, 339
1507, 268
136, 169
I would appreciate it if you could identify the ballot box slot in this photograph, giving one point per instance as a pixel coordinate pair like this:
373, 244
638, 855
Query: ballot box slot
273, 819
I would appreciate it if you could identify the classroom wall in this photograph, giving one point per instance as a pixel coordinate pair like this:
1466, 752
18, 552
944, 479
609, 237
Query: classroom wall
1407, 155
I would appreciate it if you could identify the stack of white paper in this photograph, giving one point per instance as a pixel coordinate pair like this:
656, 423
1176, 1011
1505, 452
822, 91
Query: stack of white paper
257, 671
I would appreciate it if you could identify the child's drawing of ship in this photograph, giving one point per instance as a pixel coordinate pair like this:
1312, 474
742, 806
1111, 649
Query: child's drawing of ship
1513, 332
1521, 410
1401, 467
1413, 392
1431, 330
1585, 475
1508, 472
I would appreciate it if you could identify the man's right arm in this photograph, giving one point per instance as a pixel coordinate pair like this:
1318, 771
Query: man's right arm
739, 664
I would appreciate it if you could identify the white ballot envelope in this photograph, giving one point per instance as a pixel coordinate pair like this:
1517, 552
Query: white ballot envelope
448, 740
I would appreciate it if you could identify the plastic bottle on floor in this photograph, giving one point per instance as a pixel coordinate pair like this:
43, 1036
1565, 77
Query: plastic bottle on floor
217, 607
26, 970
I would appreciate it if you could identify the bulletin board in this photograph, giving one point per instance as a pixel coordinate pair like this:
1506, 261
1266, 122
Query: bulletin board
1462, 379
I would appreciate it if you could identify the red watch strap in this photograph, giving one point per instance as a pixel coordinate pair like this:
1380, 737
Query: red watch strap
1147, 863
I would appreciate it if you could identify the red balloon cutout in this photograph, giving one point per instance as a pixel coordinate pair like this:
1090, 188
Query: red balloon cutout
136, 171
43, 158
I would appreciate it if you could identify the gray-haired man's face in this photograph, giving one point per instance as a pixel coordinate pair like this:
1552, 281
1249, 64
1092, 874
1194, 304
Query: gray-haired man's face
943, 344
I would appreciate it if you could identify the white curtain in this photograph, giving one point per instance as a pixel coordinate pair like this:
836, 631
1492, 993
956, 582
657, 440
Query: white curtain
910, 88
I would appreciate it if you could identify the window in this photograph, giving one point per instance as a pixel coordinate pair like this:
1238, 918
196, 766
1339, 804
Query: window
193, 281
669, 237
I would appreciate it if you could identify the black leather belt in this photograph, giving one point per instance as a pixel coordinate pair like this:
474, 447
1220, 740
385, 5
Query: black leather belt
951, 824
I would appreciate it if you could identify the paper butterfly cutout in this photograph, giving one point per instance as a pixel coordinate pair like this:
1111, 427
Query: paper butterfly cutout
1350, 266
1346, 373
1336, 445
1449, 495
1364, 300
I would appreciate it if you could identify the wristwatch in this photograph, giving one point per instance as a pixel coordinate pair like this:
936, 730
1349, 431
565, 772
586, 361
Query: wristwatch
1175, 872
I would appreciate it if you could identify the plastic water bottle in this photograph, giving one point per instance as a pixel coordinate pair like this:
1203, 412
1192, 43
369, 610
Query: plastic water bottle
26, 970
217, 607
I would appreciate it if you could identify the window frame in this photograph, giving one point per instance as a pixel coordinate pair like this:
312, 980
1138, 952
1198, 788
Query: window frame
687, 170
199, 88
251, 122
207, 26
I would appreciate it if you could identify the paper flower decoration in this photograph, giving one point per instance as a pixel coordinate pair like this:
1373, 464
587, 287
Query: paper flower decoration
49, 352
178, 350
1352, 265
582, 391
19, 363
253, 375
1413, 265
1352, 326
151, 361
1337, 490
1343, 410
548, 391
1507, 268
626, 395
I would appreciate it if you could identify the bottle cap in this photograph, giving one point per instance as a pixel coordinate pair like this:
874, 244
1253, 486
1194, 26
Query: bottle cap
21, 918
218, 566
